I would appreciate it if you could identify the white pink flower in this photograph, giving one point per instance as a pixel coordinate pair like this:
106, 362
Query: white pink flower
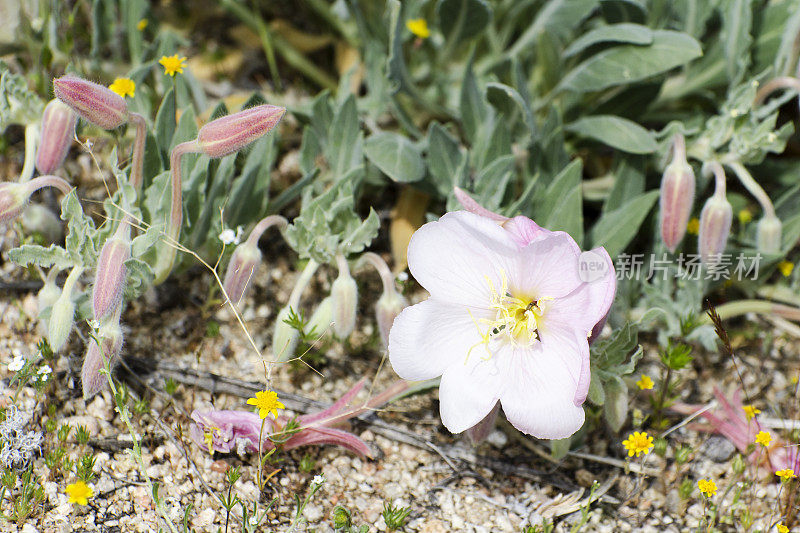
508, 320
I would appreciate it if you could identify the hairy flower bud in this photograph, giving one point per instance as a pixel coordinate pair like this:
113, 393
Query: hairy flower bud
715, 225
231, 133
285, 337
768, 234
62, 313
241, 268
93, 102
387, 308
321, 318
58, 130
13, 197
110, 336
110, 273
677, 197
344, 294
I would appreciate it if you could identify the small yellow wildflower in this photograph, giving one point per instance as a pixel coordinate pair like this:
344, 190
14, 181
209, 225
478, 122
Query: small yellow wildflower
79, 493
693, 227
763, 438
745, 216
750, 411
786, 268
645, 383
419, 27
782, 529
172, 64
142, 24
707, 487
123, 87
638, 443
266, 401
786, 474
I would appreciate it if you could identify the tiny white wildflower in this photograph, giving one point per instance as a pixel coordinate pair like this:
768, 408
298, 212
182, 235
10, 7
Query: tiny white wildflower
45, 371
16, 364
319, 479
253, 520
94, 324
228, 236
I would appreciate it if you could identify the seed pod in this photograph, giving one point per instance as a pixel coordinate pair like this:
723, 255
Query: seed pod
111, 273
715, 225
677, 197
243, 264
344, 294
768, 234
58, 130
93, 102
231, 133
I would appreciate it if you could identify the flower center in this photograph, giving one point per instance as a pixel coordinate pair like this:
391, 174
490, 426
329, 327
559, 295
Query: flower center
517, 320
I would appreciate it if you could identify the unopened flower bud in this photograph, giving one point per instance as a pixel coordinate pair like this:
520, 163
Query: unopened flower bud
110, 273
14, 196
93, 102
243, 264
715, 225
768, 234
285, 338
62, 313
387, 308
58, 130
344, 293
231, 133
677, 197
321, 318
110, 336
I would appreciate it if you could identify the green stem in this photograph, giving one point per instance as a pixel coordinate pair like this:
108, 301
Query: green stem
763, 307
31, 140
753, 187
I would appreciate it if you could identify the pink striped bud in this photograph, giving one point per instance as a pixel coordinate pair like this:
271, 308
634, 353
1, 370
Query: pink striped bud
344, 296
93, 102
110, 336
13, 197
715, 225
58, 130
241, 268
677, 197
768, 234
231, 133
110, 273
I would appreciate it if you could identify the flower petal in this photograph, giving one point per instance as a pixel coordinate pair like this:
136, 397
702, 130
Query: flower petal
453, 257
469, 390
547, 267
524, 230
428, 337
539, 393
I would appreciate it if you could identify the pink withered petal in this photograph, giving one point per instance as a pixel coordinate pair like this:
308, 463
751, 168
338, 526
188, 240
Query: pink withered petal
508, 320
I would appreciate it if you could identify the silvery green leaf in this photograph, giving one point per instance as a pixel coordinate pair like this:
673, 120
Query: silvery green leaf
613, 33
140, 276
360, 237
737, 19
560, 208
631, 63
790, 29
558, 17
396, 156
18, 104
617, 132
615, 406
143, 242
460, 20
343, 150
615, 229
165, 123
596, 395
81, 232
33, 254
510, 102
473, 107
444, 157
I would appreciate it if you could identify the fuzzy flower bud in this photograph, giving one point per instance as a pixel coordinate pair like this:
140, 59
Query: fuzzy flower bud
231, 133
391, 302
58, 130
110, 336
344, 294
93, 102
677, 196
715, 225
244, 261
321, 318
285, 337
768, 234
62, 313
111, 272
14, 196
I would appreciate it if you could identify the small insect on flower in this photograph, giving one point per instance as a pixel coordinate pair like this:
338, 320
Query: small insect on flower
123, 87
79, 492
693, 227
172, 64
645, 383
266, 401
638, 443
785, 474
786, 268
750, 411
707, 487
763, 438
419, 27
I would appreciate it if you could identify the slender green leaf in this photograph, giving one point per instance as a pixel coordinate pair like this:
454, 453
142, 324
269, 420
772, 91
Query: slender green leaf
616, 132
